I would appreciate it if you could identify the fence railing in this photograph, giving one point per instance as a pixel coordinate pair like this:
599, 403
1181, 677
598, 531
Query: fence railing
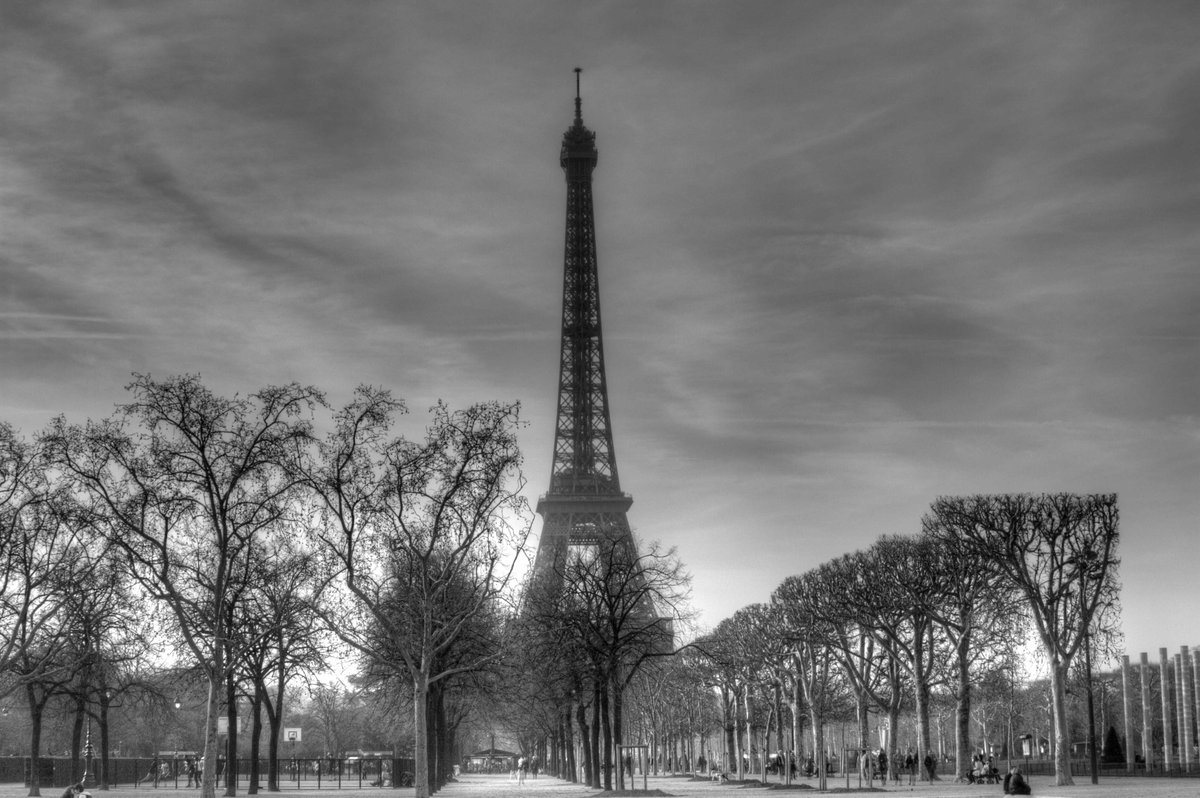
1081, 768
172, 773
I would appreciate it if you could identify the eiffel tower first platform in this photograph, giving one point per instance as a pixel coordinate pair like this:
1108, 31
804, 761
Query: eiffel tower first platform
585, 504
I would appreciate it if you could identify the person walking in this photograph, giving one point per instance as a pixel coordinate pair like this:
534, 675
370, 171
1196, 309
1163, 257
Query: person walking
865, 772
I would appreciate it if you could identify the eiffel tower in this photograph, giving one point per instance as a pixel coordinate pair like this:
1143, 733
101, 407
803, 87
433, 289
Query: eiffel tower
585, 504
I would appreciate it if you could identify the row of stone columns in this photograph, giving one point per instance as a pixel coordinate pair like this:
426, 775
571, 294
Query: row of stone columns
1179, 688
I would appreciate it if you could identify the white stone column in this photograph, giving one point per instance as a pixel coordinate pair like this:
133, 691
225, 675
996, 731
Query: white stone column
1147, 722
1127, 707
1185, 701
1164, 687
1195, 672
1183, 756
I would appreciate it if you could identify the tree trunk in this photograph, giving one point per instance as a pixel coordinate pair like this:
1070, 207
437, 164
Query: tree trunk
750, 744
795, 751
208, 782
921, 693
606, 721
962, 717
431, 737
737, 734
35, 742
231, 770
862, 720
585, 744
818, 735
105, 758
275, 722
617, 736
892, 749
421, 734
256, 725
568, 749
597, 762
1062, 748
728, 725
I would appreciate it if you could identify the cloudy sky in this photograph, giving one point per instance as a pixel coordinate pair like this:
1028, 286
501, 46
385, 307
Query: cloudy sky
853, 256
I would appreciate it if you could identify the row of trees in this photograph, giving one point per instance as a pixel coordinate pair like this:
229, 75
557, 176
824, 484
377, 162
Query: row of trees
682, 718
882, 629
255, 540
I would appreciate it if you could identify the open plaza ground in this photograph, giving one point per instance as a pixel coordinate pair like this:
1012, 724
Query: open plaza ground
487, 785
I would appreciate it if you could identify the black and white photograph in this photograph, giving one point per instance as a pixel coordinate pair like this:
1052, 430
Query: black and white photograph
484, 398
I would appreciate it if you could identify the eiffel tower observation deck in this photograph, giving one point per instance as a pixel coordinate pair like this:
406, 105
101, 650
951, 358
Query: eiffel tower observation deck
584, 504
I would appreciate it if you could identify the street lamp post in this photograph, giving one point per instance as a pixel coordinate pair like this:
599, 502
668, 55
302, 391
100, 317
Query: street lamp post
87, 757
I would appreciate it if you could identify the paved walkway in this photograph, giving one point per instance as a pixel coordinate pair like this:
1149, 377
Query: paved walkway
500, 786
486, 786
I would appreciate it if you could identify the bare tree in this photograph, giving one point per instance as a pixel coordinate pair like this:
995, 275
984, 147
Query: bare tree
977, 613
183, 481
549, 646
764, 659
422, 534
867, 623
37, 550
813, 640
621, 605
729, 672
106, 624
1060, 552
280, 635
43, 557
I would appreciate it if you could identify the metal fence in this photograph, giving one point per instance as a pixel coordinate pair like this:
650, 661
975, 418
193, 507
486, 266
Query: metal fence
1082, 769
171, 773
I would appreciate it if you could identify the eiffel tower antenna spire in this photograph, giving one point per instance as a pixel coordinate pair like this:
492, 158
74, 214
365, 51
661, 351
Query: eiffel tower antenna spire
578, 99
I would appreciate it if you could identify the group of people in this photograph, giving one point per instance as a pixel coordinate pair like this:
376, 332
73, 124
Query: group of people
875, 763
983, 771
524, 766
